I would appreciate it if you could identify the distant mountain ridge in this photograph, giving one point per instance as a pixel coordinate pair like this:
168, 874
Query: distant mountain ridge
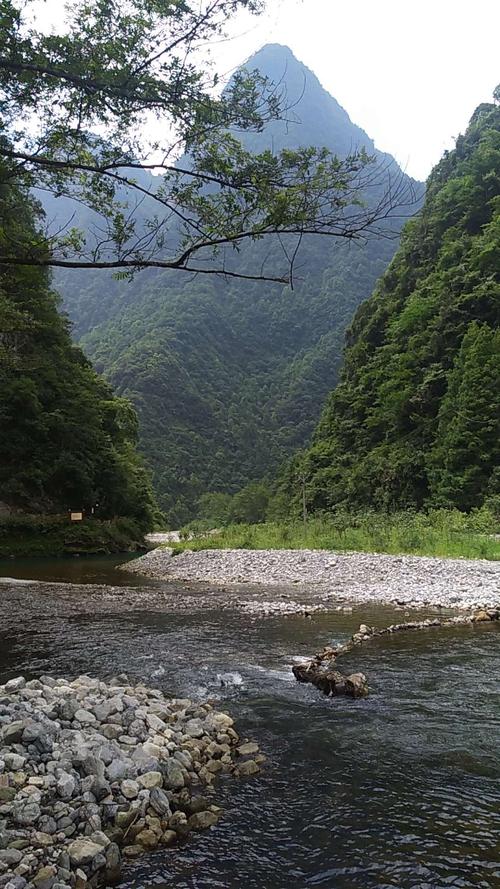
229, 377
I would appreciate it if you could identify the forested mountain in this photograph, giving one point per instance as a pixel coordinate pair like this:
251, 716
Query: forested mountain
415, 419
229, 377
66, 441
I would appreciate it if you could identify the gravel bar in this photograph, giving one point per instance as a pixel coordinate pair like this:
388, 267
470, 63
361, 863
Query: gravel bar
336, 577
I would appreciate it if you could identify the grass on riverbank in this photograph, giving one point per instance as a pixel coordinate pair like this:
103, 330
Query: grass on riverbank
29, 535
438, 533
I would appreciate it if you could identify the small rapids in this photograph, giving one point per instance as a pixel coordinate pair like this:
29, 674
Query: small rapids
401, 789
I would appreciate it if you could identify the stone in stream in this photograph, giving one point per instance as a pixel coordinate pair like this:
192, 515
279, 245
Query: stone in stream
179, 822
481, 617
133, 851
202, 820
248, 768
147, 838
169, 837
248, 748
356, 685
113, 864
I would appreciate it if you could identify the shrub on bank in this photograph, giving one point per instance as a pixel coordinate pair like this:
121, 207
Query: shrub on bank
32, 535
438, 532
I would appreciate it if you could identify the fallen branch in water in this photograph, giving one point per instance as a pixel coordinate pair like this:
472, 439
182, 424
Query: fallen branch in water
319, 669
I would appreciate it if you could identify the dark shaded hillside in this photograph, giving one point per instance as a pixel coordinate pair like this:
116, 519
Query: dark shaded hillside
66, 442
415, 419
229, 378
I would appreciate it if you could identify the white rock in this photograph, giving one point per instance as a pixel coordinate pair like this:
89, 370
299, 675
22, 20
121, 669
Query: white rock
15, 684
66, 786
83, 851
14, 762
129, 788
155, 723
150, 780
85, 717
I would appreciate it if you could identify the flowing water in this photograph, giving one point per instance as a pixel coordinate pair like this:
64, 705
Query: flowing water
401, 789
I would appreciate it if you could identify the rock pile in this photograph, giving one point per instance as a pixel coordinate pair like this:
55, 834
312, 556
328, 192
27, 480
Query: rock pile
91, 771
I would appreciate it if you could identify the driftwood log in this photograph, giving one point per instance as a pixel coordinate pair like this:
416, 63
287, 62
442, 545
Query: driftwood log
320, 669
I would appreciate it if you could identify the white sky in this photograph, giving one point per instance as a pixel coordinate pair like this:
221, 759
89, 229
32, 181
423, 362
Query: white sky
410, 74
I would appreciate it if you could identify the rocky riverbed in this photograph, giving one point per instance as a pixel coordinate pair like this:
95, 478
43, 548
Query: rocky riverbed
91, 772
413, 581
400, 787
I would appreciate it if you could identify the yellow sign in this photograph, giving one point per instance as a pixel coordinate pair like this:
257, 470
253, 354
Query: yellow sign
76, 516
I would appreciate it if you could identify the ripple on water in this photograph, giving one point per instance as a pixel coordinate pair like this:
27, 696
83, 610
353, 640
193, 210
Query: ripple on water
402, 789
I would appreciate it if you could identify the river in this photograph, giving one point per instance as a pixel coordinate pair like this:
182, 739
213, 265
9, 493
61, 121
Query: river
401, 789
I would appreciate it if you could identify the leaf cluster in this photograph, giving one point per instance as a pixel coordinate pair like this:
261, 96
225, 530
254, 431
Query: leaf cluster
415, 420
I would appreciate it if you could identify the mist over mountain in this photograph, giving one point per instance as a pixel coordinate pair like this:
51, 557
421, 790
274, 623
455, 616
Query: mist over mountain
229, 377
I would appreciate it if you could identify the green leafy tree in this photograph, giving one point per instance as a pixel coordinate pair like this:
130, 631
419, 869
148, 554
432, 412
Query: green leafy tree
466, 453
122, 88
65, 441
249, 506
414, 419
215, 508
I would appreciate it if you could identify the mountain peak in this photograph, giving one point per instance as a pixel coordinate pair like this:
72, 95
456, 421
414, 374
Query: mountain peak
279, 63
314, 116
277, 50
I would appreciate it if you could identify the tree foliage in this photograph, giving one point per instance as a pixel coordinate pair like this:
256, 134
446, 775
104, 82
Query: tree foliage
415, 420
123, 87
66, 442
464, 463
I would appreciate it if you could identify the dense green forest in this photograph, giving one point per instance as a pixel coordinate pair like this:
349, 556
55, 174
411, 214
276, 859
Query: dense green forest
229, 377
67, 442
415, 419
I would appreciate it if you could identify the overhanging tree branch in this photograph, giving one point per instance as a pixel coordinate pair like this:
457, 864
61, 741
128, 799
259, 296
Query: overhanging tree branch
115, 92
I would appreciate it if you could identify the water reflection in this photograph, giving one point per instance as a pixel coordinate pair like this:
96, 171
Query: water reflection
399, 790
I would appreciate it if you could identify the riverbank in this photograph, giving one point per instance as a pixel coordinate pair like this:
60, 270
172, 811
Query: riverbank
336, 577
91, 771
24, 536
